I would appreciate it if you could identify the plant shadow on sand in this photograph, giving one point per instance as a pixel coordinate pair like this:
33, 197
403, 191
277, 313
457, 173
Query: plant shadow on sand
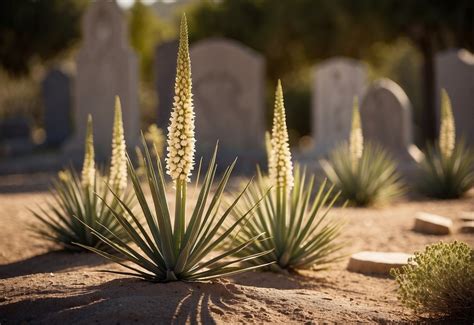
128, 300
49, 262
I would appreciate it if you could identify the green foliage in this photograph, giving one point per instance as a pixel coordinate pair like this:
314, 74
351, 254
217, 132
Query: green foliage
447, 170
373, 181
75, 213
300, 231
164, 253
445, 177
439, 281
37, 31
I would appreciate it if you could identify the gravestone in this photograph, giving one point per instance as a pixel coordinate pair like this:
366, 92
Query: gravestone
165, 72
386, 120
228, 86
56, 91
336, 82
106, 67
455, 73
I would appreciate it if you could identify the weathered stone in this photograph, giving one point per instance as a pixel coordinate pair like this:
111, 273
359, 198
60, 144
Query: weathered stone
467, 216
455, 73
467, 227
165, 72
106, 67
380, 263
228, 85
386, 119
335, 84
56, 91
432, 224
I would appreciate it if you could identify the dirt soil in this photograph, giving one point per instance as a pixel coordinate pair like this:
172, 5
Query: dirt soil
40, 286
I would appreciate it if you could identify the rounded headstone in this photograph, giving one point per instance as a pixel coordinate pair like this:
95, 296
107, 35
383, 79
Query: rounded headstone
432, 224
380, 263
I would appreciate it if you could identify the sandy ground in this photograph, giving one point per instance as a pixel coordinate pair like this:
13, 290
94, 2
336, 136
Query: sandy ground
37, 286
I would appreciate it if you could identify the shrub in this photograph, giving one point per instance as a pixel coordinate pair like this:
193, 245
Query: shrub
75, 211
364, 174
300, 233
447, 170
439, 281
166, 252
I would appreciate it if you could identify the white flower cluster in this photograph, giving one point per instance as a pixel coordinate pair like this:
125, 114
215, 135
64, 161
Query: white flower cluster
447, 130
280, 165
356, 140
88, 167
118, 164
181, 141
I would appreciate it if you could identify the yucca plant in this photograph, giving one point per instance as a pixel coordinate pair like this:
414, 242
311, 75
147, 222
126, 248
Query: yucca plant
447, 170
76, 211
439, 281
179, 249
364, 174
300, 232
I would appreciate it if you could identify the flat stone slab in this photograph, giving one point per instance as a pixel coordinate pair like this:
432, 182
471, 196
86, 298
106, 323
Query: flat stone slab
432, 224
467, 216
467, 227
380, 263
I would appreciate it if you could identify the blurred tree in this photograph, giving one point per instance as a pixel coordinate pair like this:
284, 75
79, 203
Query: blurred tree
432, 25
146, 31
34, 30
295, 34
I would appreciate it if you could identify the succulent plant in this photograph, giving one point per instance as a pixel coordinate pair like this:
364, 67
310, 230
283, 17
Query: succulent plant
166, 249
439, 281
447, 170
364, 174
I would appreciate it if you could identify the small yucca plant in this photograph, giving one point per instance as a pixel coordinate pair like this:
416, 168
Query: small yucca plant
179, 249
300, 233
439, 281
364, 174
447, 170
75, 211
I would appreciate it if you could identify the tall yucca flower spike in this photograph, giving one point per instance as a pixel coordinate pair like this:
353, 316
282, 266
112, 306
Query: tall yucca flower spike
180, 158
280, 166
356, 140
118, 165
447, 130
88, 167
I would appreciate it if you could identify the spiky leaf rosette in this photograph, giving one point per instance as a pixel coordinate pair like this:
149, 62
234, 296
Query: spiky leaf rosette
439, 281
88, 166
165, 253
76, 212
280, 165
180, 158
156, 256
374, 181
446, 177
307, 237
118, 165
447, 170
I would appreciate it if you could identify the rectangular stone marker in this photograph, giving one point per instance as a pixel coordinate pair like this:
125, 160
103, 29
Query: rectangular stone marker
386, 119
106, 67
455, 73
56, 91
228, 86
165, 72
335, 83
